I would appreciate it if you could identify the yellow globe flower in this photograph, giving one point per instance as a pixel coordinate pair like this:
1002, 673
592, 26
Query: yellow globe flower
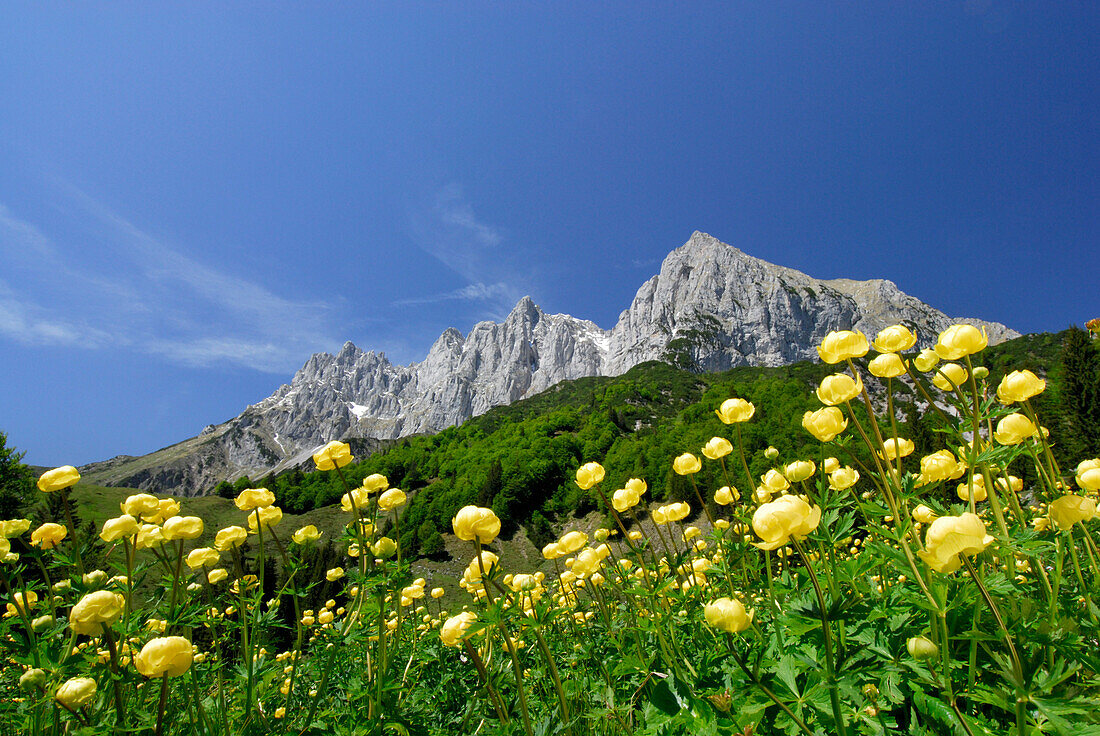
182, 527
671, 512
306, 534
14, 527
21, 602
734, 411
217, 575
717, 447
264, 518
254, 498
838, 389
844, 478
896, 447
570, 542
926, 361
140, 504
949, 376
456, 629
58, 479
799, 470
392, 499
75, 693
333, 455
951, 536
552, 551
230, 537
149, 536
841, 345
384, 548
788, 516
825, 423
589, 475
48, 535
958, 341
727, 614
94, 610
1020, 386
1068, 510
165, 655
624, 499
894, 339
202, 557
774, 482
1014, 429
116, 529
475, 522
830, 464
375, 482
975, 485
1088, 475
687, 464
356, 500
887, 365
168, 507
726, 495
334, 574
924, 515
938, 466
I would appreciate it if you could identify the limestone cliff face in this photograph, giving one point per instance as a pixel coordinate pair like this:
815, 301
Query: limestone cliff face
711, 307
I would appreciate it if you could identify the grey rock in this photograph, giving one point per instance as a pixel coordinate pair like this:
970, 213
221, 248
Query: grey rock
711, 307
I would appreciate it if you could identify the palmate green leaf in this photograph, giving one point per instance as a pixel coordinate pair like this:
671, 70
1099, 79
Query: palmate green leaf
787, 672
946, 720
1066, 715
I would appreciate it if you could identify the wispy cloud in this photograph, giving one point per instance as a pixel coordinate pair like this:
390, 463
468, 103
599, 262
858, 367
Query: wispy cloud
448, 229
478, 292
134, 289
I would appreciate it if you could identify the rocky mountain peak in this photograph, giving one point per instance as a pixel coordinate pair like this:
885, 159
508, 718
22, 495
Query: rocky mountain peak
710, 307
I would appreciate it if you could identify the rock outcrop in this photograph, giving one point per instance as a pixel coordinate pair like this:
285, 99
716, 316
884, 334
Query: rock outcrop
711, 307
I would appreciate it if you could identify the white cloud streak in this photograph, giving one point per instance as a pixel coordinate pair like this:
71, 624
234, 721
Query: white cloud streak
450, 231
146, 294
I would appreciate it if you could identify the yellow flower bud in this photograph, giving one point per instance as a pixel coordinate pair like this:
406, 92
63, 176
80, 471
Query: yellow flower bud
922, 648
726, 495
799, 470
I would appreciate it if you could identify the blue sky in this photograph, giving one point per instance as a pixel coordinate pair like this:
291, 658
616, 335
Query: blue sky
195, 197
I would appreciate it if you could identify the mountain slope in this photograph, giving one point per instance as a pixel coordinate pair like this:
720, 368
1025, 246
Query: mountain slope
711, 307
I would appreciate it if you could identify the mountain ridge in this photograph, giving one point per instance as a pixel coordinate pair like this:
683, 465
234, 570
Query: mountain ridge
710, 307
